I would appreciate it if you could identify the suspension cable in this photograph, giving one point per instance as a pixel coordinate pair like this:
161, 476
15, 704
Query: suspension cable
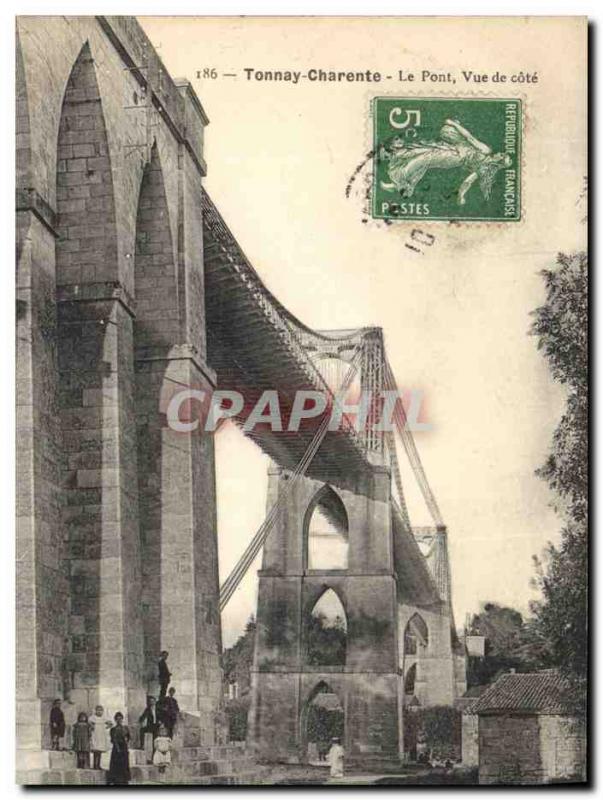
232, 582
411, 450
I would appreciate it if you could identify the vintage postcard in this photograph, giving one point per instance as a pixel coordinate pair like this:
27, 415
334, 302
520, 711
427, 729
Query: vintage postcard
302, 401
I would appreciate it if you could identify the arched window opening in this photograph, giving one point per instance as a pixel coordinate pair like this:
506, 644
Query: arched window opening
328, 532
324, 721
416, 636
410, 680
327, 632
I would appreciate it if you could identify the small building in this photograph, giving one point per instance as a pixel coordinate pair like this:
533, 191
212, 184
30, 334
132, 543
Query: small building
527, 732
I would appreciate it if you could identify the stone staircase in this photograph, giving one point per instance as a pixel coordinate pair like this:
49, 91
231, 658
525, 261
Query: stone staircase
228, 764
376, 763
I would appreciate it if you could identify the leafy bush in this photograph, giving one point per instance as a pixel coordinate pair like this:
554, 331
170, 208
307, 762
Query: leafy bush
237, 712
438, 730
326, 642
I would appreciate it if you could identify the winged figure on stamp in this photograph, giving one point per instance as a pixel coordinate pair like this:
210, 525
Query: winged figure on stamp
408, 162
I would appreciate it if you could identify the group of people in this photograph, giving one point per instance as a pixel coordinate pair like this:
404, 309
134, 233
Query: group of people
159, 719
96, 733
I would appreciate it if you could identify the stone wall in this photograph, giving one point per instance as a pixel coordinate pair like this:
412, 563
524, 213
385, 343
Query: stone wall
529, 749
563, 742
116, 541
470, 740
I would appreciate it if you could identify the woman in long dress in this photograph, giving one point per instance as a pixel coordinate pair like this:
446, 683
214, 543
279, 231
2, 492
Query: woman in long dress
119, 766
335, 759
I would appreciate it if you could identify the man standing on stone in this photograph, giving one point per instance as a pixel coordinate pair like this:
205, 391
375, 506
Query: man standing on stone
164, 673
171, 712
57, 723
148, 728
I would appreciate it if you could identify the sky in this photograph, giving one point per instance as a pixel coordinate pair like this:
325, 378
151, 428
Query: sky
455, 317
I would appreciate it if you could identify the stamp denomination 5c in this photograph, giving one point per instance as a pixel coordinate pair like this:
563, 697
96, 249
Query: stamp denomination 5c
447, 158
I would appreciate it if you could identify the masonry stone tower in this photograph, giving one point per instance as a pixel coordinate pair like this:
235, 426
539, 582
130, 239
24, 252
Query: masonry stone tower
286, 678
116, 534
329, 538
347, 542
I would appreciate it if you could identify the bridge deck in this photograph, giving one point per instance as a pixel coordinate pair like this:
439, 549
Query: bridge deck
255, 344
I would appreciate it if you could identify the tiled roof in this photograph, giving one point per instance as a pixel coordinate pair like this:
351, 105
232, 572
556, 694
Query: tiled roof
543, 692
466, 702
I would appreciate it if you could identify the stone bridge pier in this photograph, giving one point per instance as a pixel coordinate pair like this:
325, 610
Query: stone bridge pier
116, 529
294, 577
389, 642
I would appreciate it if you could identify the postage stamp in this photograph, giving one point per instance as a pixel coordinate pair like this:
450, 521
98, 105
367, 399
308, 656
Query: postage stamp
447, 158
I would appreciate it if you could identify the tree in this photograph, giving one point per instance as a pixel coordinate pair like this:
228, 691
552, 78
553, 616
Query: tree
238, 659
561, 326
236, 664
511, 643
326, 642
439, 729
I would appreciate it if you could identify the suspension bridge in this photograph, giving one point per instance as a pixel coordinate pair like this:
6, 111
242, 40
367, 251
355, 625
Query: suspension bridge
119, 302
253, 341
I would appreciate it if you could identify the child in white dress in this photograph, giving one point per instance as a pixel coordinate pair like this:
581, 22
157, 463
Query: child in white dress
163, 745
100, 741
335, 759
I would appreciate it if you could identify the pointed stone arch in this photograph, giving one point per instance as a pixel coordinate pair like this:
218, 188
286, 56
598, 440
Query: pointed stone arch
322, 718
95, 360
87, 246
416, 636
326, 532
322, 687
326, 631
155, 277
156, 331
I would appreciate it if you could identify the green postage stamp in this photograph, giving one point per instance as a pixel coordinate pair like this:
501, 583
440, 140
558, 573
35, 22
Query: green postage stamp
447, 158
